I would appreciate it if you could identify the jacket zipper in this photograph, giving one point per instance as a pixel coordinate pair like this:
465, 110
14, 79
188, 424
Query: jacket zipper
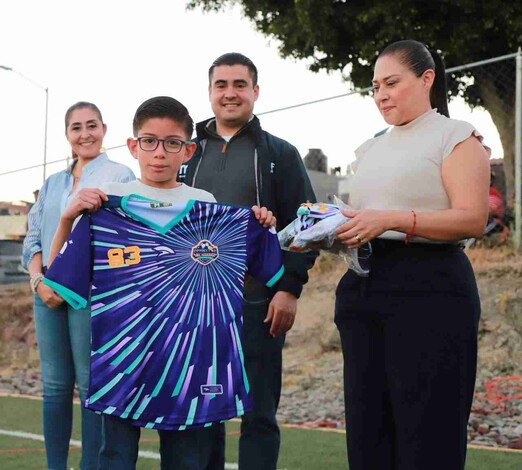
203, 144
223, 162
256, 177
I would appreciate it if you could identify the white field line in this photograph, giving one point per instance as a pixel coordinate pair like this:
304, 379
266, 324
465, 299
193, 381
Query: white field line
144, 454
233, 466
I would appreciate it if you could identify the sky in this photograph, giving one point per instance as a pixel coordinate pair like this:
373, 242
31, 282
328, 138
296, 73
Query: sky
117, 54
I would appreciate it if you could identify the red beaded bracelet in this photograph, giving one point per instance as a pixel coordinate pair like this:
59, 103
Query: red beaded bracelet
411, 232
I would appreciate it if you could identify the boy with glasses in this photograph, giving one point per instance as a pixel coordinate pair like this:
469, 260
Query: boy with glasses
167, 271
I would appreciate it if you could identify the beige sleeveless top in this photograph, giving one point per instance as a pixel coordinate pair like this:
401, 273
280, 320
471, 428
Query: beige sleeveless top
401, 170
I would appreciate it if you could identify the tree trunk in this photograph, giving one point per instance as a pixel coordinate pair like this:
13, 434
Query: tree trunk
502, 110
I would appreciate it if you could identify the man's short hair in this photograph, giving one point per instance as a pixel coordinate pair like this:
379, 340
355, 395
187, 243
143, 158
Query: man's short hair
234, 58
163, 107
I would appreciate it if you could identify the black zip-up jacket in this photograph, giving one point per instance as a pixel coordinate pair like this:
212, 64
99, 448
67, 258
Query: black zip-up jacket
282, 185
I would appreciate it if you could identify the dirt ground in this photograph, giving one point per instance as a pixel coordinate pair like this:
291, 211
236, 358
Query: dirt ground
499, 277
313, 340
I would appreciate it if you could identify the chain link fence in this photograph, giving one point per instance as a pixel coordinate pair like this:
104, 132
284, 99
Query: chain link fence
491, 86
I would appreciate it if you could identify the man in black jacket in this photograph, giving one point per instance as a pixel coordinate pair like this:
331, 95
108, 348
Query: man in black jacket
239, 163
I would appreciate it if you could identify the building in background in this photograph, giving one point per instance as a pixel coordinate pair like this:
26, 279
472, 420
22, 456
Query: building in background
326, 182
13, 227
13, 219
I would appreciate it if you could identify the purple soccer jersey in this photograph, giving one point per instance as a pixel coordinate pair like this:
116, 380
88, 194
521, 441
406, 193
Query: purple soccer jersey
165, 284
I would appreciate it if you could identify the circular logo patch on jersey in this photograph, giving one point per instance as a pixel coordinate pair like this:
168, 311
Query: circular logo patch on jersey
205, 252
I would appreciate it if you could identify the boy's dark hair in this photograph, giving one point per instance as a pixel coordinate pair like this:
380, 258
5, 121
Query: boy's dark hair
81, 105
419, 58
234, 58
163, 107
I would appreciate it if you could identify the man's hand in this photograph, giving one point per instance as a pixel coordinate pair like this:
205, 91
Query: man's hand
49, 297
281, 312
264, 216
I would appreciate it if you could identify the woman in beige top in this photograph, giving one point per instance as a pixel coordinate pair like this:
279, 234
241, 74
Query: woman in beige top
409, 330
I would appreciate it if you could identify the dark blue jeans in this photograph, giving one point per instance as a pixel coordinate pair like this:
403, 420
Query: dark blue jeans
191, 449
409, 340
64, 336
260, 438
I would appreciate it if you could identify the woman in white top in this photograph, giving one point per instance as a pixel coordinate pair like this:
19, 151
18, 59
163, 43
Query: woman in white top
409, 330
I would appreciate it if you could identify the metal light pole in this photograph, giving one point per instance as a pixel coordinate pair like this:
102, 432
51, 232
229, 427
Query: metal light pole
518, 152
46, 89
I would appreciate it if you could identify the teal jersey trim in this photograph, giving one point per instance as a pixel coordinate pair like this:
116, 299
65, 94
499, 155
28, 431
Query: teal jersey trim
72, 298
276, 277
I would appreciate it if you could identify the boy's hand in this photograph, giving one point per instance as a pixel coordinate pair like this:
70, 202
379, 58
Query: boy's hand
86, 200
264, 216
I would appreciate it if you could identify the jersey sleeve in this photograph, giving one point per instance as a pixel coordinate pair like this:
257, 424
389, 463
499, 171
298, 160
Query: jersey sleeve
264, 256
70, 273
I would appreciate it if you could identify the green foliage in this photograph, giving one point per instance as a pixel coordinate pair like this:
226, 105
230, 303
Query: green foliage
347, 35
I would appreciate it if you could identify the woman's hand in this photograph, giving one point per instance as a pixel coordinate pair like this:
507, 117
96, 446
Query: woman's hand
264, 216
86, 200
363, 226
49, 297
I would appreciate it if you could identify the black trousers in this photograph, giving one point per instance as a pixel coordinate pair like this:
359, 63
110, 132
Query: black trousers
260, 438
409, 340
